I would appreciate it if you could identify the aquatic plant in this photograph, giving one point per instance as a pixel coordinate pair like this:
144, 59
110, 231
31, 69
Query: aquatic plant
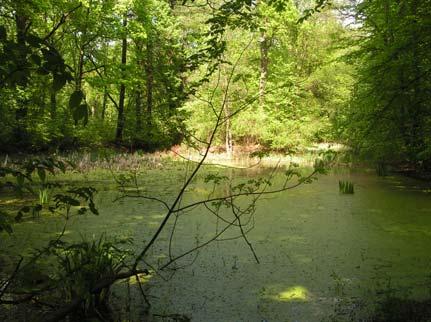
82, 265
44, 196
346, 187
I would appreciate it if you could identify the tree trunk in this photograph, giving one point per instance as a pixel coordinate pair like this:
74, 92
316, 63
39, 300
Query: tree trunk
121, 118
228, 133
21, 23
80, 72
264, 60
228, 130
150, 80
104, 103
138, 110
139, 89
417, 113
53, 104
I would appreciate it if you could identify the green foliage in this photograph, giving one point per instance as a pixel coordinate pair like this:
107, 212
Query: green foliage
389, 117
83, 264
346, 187
5, 223
22, 179
61, 82
67, 270
28, 53
306, 87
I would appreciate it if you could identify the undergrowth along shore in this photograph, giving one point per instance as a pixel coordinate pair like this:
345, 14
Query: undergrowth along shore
102, 161
120, 159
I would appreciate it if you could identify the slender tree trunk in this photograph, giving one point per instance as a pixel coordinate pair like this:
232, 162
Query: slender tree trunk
80, 71
139, 89
21, 26
121, 117
417, 113
53, 104
388, 32
138, 109
264, 61
21, 23
105, 87
228, 129
150, 80
104, 102
228, 132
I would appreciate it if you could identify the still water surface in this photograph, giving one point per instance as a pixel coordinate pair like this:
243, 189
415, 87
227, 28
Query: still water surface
323, 256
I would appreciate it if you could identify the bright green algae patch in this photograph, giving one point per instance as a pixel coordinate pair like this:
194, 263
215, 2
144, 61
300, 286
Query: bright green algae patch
324, 256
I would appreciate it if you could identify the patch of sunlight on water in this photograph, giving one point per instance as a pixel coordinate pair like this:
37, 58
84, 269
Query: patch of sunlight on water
158, 216
66, 232
143, 279
11, 201
294, 293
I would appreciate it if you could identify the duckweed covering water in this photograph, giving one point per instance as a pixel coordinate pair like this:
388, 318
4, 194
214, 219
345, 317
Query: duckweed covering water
324, 256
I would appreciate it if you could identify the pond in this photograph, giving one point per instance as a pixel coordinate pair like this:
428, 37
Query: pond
324, 256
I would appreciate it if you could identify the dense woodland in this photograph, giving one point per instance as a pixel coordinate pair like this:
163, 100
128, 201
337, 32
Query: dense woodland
237, 76
140, 74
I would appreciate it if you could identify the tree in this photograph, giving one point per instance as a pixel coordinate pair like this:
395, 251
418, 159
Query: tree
389, 119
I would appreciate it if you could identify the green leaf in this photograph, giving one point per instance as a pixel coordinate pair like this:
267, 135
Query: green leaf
93, 208
34, 41
75, 99
61, 166
81, 112
36, 59
82, 211
58, 82
52, 58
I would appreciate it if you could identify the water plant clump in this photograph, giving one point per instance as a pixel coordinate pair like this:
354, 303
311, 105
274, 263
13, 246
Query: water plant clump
44, 196
82, 265
346, 187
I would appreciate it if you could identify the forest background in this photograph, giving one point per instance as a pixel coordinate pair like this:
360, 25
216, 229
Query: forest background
138, 74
